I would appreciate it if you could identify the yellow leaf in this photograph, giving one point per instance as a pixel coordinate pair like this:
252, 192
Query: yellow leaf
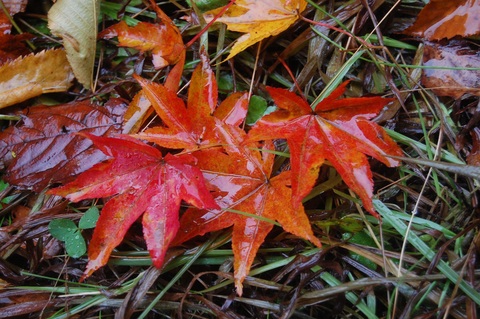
30, 76
75, 21
258, 19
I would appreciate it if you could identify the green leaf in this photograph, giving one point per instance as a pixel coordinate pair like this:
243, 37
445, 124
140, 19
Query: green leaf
207, 5
256, 109
62, 228
89, 219
3, 185
361, 238
75, 244
75, 21
225, 83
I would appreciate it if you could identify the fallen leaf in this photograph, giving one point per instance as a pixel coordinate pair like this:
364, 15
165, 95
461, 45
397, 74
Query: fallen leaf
191, 127
75, 21
13, 7
138, 111
35, 157
12, 46
449, 74
142, 182
163, 40
243, 183
258, 19
441, 19
30, 76
474, 157
338, 130
240, 178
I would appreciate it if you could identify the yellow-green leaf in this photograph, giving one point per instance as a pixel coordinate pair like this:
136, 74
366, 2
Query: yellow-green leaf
75, 21
258, 19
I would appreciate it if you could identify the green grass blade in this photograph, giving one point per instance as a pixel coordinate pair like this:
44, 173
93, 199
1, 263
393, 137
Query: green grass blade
415, 241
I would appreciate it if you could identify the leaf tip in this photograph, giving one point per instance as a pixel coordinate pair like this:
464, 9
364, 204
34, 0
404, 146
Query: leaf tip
92, 266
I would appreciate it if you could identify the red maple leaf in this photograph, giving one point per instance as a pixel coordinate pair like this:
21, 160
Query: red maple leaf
338, 130
193, 126
243, 183
145, 183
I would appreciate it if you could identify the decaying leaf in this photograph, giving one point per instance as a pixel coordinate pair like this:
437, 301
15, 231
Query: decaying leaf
144, 182
474, 157
441, 19
12, 46
258, 19
75, 21
13, 7
24, 78
338, 130
43, 147
455, 78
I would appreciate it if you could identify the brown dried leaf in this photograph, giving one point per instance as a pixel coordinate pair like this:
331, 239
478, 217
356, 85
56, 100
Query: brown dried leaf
13, 7
474, 157
24, 78
13, 46
441, 19
43, 148
451, 82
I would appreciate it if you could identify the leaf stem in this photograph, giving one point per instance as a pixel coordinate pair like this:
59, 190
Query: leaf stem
198, 35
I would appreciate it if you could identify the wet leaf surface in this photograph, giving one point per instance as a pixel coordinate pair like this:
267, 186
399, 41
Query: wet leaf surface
163, 40
258, 19
338, 130
243, 184
192, 126
43, 148
441, 19
455, 79
33, 75
13, 7
144, 182
12, 46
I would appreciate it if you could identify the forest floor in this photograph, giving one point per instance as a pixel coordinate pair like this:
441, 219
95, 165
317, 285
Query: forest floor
418, 260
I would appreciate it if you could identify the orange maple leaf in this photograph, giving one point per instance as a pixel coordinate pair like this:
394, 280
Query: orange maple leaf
192, 126
338, 130
162, 39
243, 182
